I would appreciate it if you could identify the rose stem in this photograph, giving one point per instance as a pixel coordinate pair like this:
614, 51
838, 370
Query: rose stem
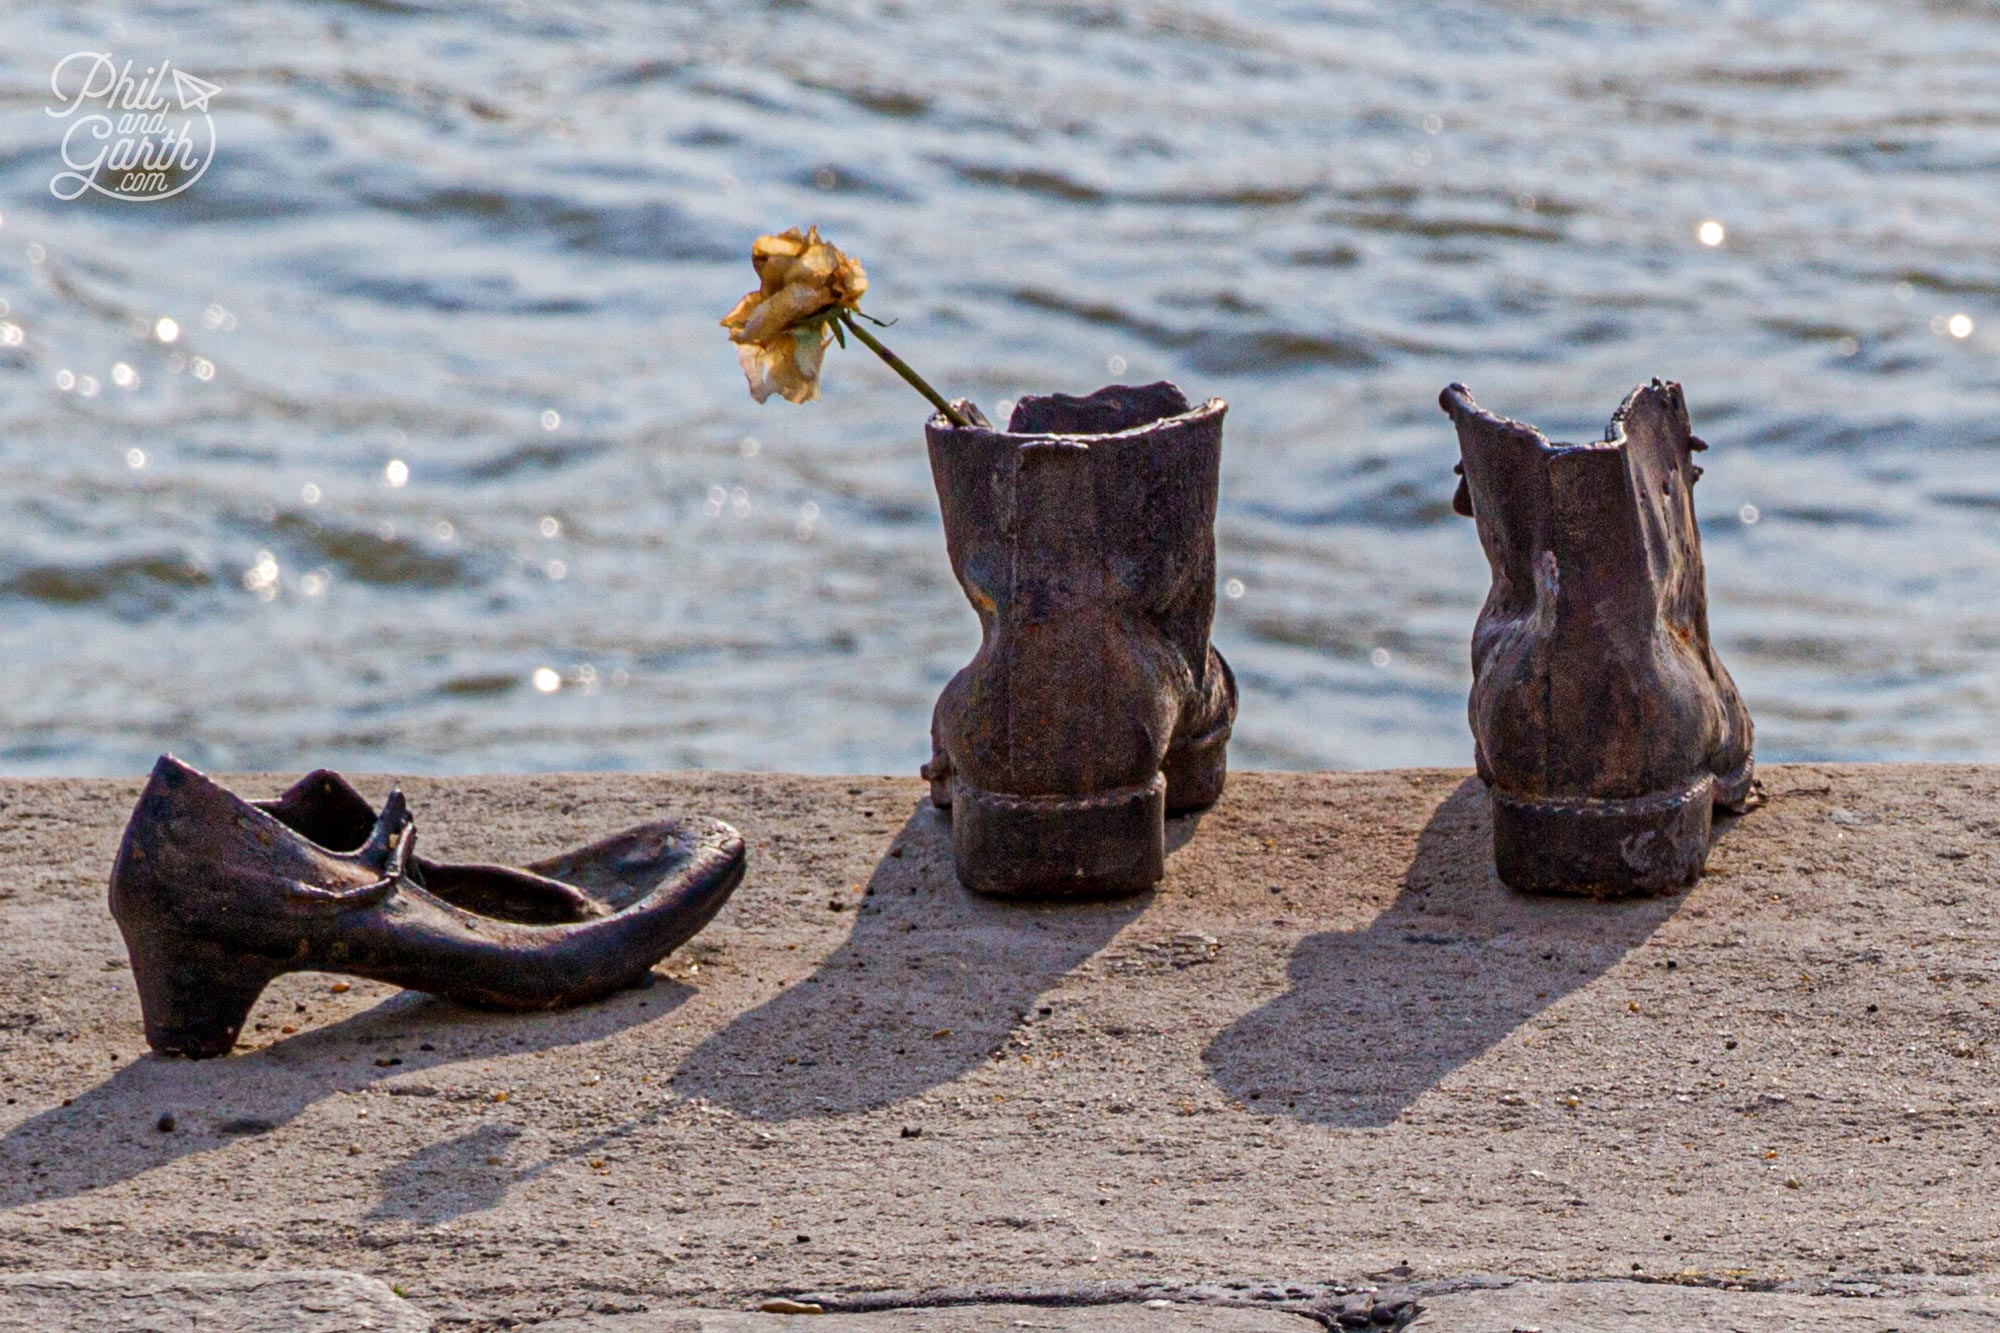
902, 367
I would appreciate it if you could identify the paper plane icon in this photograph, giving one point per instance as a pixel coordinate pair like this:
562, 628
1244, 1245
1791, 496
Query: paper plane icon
194, 93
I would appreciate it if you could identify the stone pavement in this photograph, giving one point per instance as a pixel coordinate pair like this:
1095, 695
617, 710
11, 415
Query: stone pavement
125, 1302
336, 1302
1328, 1054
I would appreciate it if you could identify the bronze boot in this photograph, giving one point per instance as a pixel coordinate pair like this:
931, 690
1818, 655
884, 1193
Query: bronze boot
216, 897
1603, 723
1084, 536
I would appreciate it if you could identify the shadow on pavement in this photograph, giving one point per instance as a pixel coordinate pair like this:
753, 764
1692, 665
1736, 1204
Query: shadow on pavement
1376, 1017
927, 986
111, 1133
466, 1174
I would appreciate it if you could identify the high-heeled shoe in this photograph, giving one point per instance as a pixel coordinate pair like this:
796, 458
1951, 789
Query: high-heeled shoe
217, 896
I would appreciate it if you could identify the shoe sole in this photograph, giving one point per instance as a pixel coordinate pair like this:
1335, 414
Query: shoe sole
1632, 847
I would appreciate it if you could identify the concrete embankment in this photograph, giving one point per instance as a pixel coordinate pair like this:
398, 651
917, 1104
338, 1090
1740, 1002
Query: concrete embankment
1330, 1068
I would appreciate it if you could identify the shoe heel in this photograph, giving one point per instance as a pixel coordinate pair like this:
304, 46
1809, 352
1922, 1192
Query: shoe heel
195, 994
1739, 792
1195, 775
1103, 845
938, 774
1603, 848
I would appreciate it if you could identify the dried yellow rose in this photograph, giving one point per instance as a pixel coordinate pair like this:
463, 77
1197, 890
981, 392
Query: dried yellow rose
780, 330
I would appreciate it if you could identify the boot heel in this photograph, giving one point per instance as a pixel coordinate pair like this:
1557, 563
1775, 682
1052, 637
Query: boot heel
195, 994
1603, 848
1195, 776
1739, 791
1106, 844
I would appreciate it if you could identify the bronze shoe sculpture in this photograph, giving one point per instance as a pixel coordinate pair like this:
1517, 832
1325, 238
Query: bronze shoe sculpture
217, 896
1604, 725
1084, 537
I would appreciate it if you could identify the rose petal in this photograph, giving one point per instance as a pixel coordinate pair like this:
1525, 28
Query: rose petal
756, 369
850, 282
808, 350
740, 316
778, 313
788, 366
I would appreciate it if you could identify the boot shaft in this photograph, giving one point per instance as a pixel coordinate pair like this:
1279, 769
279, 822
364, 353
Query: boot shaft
1595, 538
1592, 663
1084, 505
1084, 537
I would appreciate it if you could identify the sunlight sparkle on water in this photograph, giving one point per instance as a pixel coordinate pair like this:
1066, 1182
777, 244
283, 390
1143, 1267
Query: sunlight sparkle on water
135, 458
1959, 326
397, 473
1710, 233
262, 577
166, 329
547, 680
551, 419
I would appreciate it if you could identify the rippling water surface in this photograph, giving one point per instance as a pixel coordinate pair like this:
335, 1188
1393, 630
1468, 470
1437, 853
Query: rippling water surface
480, 251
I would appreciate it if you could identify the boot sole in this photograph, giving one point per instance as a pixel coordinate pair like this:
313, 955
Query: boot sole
1635, 847
1195, 775
1103, 845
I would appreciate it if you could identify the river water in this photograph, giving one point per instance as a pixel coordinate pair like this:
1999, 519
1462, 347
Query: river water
448, 467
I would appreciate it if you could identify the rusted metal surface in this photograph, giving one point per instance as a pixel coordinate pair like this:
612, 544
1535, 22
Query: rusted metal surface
1603, 722
216, 896
1084, 537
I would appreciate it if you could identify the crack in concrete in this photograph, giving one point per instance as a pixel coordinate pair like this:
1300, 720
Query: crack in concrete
1345, 1306
1386, 1307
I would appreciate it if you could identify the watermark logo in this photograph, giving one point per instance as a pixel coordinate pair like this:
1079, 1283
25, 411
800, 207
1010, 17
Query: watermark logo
132, 136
